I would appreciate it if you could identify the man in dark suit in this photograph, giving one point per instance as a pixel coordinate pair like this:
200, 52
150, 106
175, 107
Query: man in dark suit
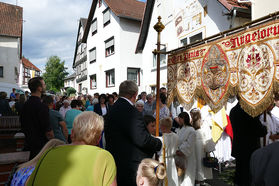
246, 139
34, 119
127, 138
264, 165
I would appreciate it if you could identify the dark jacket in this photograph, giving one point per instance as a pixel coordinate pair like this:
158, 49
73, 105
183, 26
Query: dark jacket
246, 132
264, 165
128, 140
5, 109
246, 139
19, 107
35, 124
98, 109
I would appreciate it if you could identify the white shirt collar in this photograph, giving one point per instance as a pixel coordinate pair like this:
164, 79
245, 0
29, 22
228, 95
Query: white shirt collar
128, 101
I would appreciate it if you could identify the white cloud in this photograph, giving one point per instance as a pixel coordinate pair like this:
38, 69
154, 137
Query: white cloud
50, 28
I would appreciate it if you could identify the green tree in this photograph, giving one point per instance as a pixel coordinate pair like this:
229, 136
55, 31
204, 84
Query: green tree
70, 91
55, 72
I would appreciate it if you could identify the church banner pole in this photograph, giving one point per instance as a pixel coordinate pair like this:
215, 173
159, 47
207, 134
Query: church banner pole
158, 27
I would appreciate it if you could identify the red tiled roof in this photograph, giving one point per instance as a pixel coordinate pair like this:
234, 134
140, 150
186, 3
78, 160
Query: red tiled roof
10, 20
28, 64
131, 9
229, 4
127, 8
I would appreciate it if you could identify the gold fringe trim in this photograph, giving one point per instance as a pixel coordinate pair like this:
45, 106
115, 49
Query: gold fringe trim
276, 86
171, 96
254, 111
213, 106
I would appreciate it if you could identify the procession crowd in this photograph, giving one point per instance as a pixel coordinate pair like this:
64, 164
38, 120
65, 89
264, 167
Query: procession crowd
110, 139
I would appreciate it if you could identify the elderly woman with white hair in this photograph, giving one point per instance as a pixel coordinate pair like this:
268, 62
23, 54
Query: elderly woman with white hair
139, 106
66, 106
80, 163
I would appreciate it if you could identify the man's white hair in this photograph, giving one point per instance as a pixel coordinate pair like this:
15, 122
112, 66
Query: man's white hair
139, 102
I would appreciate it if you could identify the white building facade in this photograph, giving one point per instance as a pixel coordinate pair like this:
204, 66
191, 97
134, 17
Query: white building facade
9, 59
185, 22
10, 46
262, 8
70, 81
80, 61
111, 36
27, 71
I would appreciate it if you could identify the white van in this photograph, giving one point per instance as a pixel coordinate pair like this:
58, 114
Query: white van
8, 88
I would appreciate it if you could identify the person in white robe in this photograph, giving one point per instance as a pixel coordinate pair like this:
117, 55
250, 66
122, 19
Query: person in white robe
271, 121
275, 110
186, 148
202, 172
170, 144
220, 137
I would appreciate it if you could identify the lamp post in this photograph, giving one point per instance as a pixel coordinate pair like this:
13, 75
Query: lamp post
159, 28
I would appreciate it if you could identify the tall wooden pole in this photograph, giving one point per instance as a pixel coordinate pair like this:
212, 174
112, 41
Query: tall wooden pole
158, 27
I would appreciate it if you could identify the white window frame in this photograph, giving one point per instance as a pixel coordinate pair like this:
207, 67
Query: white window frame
195, 36
110, 78
92, 55
137, 72
182, 43
109, 47
94, 26
106, 17
163, 59
93, 86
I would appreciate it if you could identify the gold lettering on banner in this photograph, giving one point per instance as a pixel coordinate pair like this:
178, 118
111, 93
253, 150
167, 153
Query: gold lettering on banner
251, 37
187, 56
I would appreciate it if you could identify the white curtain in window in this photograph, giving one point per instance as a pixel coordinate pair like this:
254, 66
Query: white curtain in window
94, 82
110, 76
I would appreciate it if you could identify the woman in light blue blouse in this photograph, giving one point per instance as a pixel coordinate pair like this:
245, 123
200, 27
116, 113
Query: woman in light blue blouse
25, 170
164, 110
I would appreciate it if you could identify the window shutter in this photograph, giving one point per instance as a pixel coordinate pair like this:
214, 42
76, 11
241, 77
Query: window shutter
92, 54
106, 16
94, 25
110, 43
